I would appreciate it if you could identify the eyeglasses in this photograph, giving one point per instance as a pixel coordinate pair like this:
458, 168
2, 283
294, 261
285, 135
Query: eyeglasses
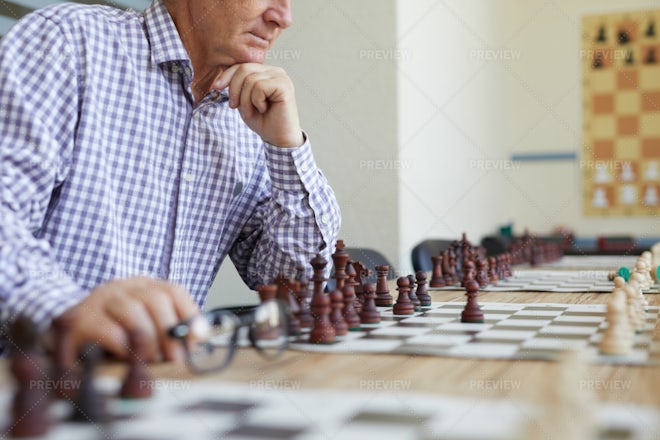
210, 339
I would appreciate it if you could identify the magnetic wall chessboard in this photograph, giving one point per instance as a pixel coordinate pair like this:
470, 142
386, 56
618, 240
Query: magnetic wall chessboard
621, 97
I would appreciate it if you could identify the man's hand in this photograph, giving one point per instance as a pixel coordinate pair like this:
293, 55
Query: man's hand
265, 97
114, 309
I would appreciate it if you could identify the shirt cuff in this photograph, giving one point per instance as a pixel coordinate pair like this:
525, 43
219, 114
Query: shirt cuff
292, 169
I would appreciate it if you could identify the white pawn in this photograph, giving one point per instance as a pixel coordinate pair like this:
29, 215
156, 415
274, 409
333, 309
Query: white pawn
647, 256
636, 312
655, 256
619, 336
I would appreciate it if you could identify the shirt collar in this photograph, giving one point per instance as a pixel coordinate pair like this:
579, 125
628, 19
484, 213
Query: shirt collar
166, 44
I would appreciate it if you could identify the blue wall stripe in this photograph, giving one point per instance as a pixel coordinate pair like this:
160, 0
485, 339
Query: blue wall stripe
544, 157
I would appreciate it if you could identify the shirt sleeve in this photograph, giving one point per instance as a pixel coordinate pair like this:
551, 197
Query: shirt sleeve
296, 218
39, 102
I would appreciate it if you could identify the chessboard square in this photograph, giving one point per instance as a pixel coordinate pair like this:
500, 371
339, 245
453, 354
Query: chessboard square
369, 346
627, 148
492, 318
372, 431
651, 101
649, 78
554, 344
603, 103
628, 103
501, 308
604, 125
539, 313
399, 331
603, 81
427, 320
439, 340
634, 357
522, 323
569, 330
580, 319
444, 313
627, 79
486, 350
262, 431
505, 335
649, 125
603, 149
464, 326
651, 148
627, 125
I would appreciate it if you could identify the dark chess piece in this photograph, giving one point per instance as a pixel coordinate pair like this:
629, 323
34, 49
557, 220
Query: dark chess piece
383, 297
630, 59
493, 278
340, 260
89, 406
138, 383
284, 290
350, 315
602, 36
472, 312
447, 269
650, 56
362, 272
336, 315
650, 31
323, 332
482, 273
351, 284
437, 278
403, 304
369, 314
624, 38
301, 294
417, 304
469, 272
64, 368
598, 61
422, 294
29, 410
267, 292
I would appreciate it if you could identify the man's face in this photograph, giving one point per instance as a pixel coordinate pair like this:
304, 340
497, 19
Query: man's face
238, 31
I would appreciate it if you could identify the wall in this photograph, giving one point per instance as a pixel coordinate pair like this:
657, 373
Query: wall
450, 114
545, 114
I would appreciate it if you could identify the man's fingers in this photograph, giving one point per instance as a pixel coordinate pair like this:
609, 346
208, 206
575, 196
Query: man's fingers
106, 332
132, 315
223, 80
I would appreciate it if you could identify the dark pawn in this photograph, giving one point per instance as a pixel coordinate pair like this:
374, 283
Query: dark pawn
336, 315
301, 294
469, 272
284, 290
323, 331
417, 304
482, 273
447, 270
64, 368
383, 297
650, 31
437, 279
650, 56
624, 38
424, 298
350, 315
369, 314
267, 292
138, 383
602, 37
351, 284
492, 270
472, 312
29, 411
89, 406
403, 304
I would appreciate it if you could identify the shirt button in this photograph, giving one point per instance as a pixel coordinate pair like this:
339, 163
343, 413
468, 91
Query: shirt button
188, 71
188, 177
175, 69
324, 219
304, 168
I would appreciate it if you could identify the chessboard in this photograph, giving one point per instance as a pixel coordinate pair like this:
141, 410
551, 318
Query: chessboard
510, 331
584, 262
267, 410
620, 160
555, 281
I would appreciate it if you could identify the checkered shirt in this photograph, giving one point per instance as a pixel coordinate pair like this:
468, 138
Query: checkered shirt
109, 170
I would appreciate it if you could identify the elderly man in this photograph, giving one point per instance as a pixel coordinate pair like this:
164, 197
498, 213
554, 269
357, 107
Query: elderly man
138, 151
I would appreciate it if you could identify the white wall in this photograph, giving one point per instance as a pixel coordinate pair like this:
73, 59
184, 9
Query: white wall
450, 102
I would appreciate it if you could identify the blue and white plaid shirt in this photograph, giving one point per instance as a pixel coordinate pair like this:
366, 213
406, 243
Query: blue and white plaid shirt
109, 170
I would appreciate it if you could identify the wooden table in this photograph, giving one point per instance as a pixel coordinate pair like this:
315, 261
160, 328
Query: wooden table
477, 378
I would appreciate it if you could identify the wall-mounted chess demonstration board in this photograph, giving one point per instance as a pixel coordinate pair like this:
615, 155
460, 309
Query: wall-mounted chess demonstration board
621, 97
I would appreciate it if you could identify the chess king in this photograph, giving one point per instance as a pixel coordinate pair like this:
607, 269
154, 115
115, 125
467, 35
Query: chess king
139, 150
